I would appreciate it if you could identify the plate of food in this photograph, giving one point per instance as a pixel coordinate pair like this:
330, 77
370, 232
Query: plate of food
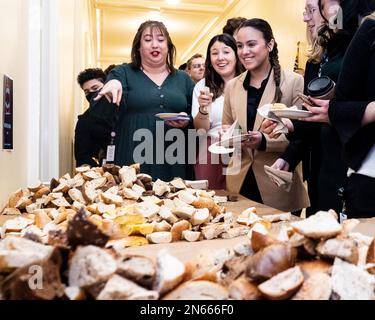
173, 116
264, 111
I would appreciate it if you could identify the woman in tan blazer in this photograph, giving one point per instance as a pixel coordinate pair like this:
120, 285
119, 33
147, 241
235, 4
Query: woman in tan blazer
263, 82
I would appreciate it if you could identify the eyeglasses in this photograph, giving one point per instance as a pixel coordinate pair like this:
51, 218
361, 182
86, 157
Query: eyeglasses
309, 12
198, 65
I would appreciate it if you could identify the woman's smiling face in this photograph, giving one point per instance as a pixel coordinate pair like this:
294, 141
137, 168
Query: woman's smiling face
223, 59
312, 17
252, 49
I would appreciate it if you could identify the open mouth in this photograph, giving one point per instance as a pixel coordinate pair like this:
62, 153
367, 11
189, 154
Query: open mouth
222, 65
155, 53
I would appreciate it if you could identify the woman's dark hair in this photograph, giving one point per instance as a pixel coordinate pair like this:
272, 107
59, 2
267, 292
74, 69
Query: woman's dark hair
264, 27
232, 25
213, 80
352, 11
135, 54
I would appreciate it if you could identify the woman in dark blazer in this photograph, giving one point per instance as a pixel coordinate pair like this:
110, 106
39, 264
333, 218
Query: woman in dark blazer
352, 114
328, 170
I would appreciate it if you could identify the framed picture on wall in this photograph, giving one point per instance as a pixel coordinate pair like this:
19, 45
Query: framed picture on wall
7, 113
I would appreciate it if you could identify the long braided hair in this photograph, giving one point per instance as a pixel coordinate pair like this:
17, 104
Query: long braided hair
264, 27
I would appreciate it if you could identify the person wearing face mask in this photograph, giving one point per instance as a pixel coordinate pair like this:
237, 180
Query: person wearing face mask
314, 136
148, 86
195, 67
222, 65
94, 126
264, 82
91, 81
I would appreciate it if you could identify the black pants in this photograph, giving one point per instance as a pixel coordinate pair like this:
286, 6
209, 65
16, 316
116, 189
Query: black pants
250, 188
360, 197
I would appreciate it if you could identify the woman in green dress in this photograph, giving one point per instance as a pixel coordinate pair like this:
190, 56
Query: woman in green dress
150, 85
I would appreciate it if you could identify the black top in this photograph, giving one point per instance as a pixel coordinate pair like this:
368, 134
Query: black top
254, 95
144, 138
93, 132
249, 187
326, 170
354, 91
303, 140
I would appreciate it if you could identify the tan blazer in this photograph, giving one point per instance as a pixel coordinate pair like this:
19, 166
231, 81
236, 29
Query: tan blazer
235, 105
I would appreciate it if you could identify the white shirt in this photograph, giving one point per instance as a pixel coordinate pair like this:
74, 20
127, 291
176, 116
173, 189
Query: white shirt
368, 166
216, 109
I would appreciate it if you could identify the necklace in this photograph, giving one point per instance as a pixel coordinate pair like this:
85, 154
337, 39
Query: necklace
165, 71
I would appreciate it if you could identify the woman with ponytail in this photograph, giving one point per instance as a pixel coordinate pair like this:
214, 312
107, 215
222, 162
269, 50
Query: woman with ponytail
263, 82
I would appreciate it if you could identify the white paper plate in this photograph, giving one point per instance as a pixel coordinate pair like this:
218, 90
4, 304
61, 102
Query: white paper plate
172, 116
216, 149
264, 112
292, 114
233, 140
227, 145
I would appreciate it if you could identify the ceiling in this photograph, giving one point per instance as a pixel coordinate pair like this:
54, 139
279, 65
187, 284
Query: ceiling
115, 23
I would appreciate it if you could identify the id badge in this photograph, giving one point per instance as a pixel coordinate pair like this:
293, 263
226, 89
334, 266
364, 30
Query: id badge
111, 153
343, 217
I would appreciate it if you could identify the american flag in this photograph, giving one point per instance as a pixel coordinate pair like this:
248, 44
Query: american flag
296, 62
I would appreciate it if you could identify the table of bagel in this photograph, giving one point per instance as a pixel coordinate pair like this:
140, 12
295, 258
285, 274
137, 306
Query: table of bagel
113, 233
187, 250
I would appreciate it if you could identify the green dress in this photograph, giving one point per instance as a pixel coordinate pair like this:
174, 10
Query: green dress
136, 139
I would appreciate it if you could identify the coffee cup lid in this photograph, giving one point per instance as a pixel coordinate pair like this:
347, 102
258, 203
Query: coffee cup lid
320, 86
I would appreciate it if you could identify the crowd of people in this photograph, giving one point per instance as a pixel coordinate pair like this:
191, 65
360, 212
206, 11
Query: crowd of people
332, 149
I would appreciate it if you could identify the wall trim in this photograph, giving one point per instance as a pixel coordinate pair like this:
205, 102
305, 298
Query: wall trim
33, 80
49, 116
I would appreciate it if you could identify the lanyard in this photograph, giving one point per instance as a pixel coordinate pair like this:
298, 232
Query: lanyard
111, 148
322, 63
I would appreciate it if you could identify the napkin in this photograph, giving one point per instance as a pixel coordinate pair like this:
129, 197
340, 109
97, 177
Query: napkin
283, 179
280, 127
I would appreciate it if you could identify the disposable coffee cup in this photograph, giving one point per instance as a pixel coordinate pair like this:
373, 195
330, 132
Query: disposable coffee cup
321, 88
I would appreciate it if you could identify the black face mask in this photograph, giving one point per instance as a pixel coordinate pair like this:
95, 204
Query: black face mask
91, 95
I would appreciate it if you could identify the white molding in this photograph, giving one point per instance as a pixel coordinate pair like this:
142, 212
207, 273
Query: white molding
33, 96
49, 117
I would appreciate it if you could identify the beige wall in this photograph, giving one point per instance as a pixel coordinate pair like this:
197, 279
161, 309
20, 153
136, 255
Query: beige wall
13, 62
73, 54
